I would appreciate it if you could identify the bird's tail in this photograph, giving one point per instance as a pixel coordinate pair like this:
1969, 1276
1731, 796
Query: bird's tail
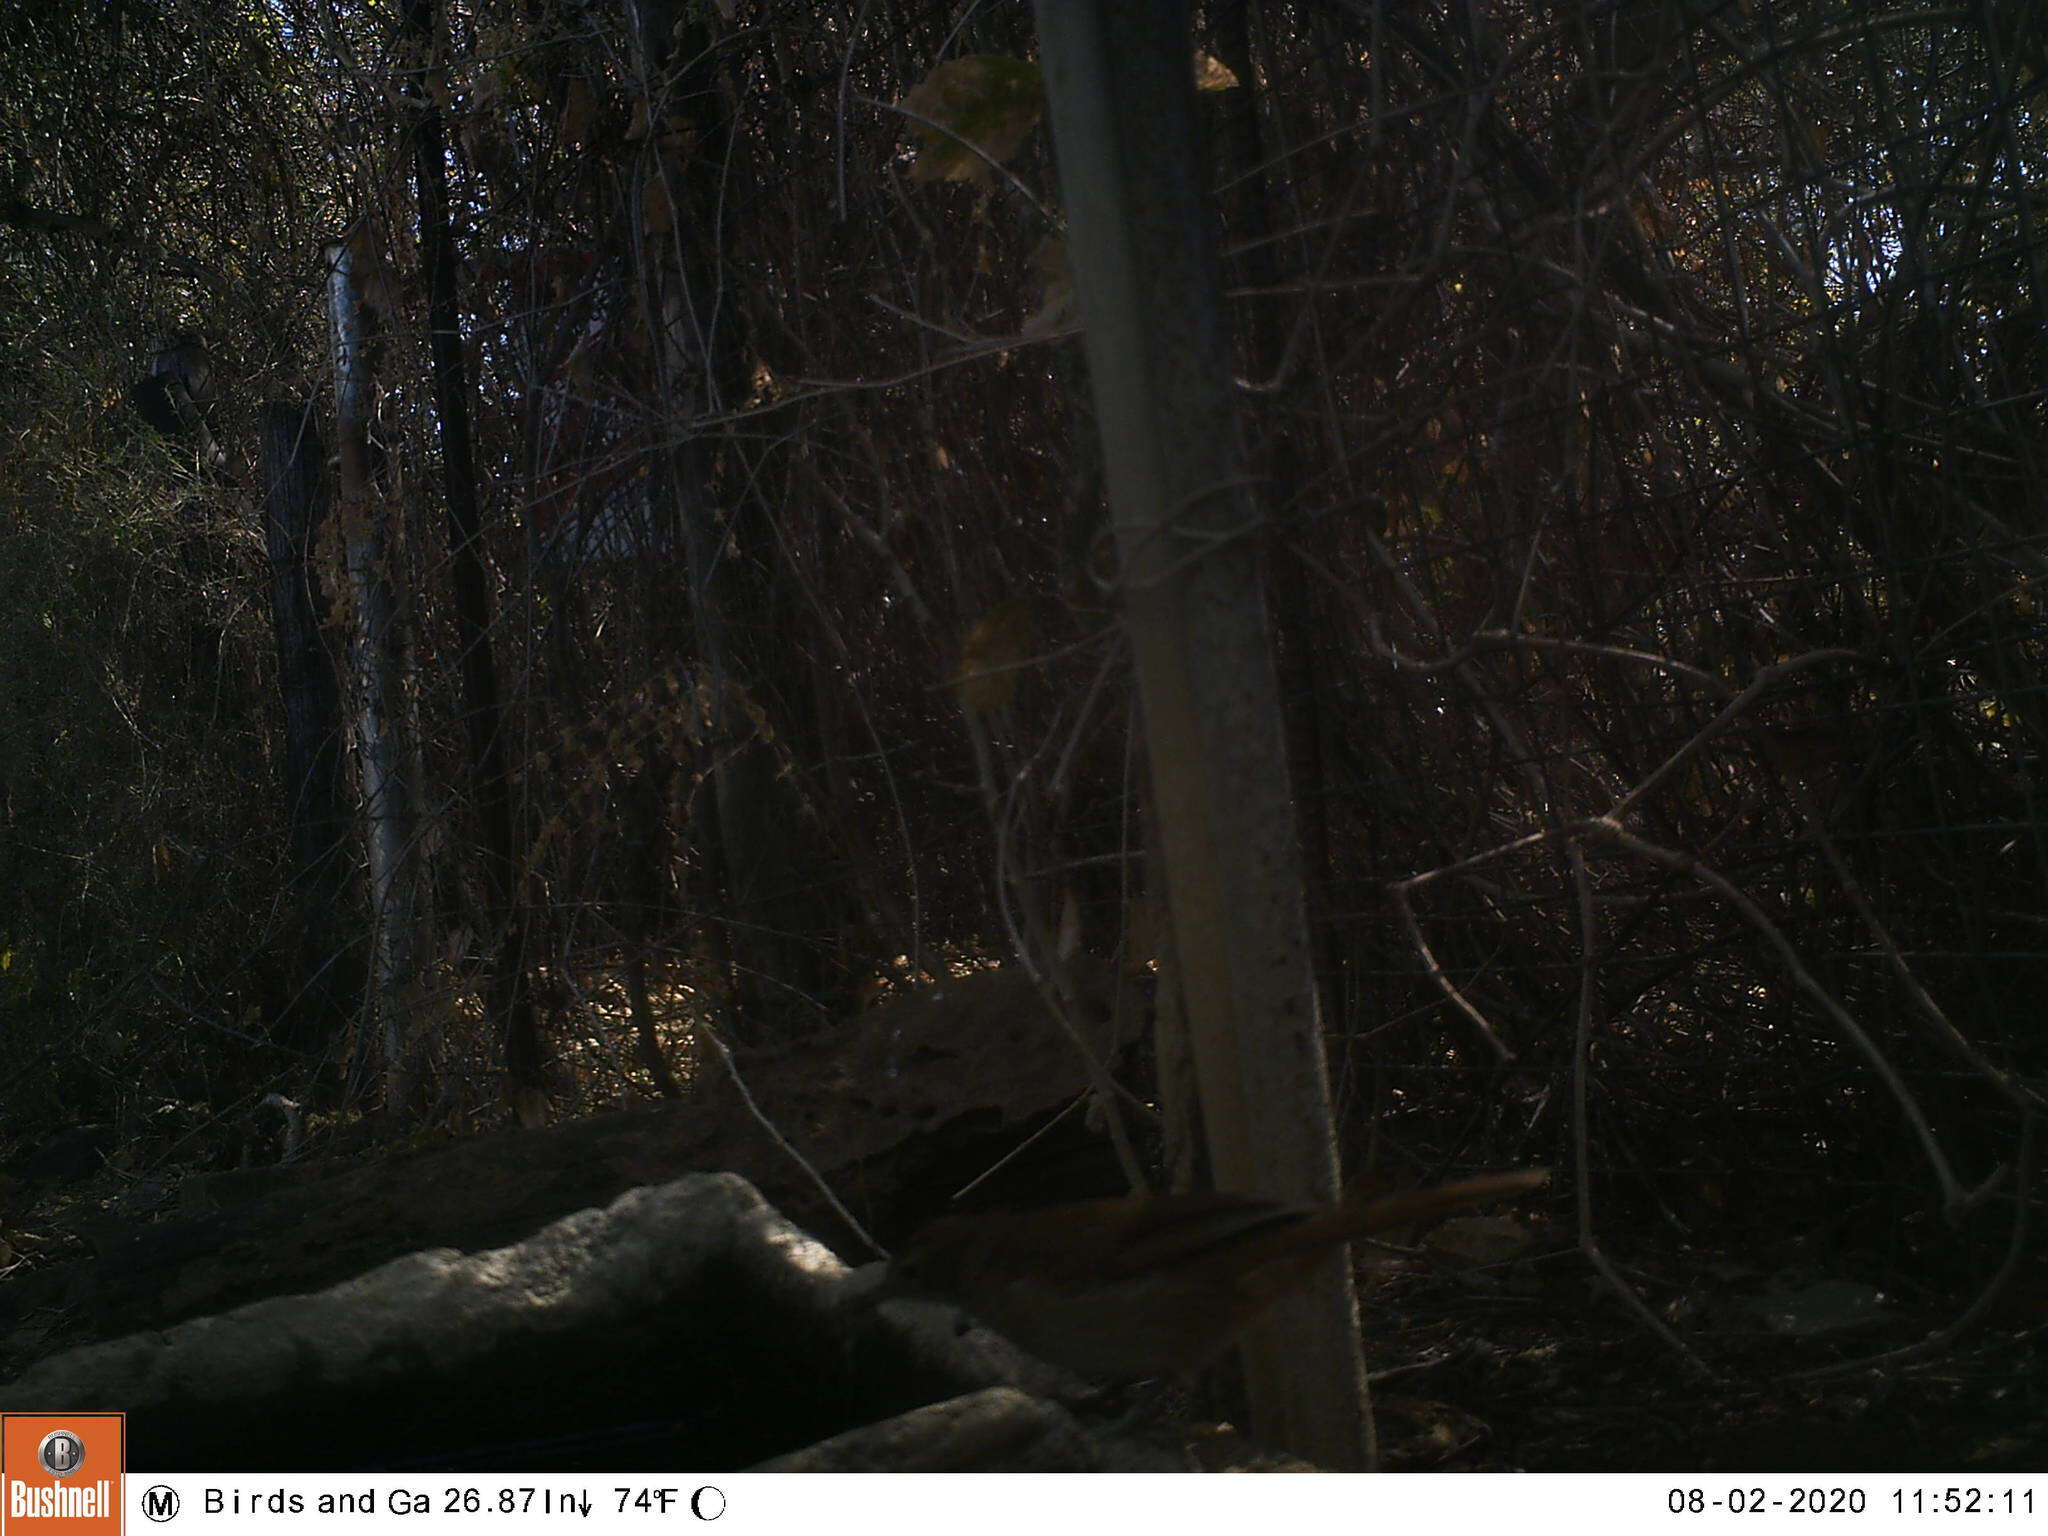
1368, 1210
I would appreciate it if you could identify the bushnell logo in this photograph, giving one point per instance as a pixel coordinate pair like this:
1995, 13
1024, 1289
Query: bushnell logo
61, 1453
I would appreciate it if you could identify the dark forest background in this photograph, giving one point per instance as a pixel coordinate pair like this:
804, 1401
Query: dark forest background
1644, 403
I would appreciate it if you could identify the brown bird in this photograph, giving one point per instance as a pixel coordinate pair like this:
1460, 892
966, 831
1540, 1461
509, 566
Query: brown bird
1118, 1290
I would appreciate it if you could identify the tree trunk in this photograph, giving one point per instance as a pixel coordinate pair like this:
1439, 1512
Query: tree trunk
1120, 88
766, 852
509, 996
1277, 464
328, 981
378, 665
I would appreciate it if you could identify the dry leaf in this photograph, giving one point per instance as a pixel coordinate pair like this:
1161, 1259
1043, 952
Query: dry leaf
579, 114
1049, 261
996, 649
982, 102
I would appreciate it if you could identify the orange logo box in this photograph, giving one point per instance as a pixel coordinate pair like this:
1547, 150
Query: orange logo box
60, 1474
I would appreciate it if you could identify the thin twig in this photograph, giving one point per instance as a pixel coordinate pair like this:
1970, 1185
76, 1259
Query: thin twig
775, 1133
